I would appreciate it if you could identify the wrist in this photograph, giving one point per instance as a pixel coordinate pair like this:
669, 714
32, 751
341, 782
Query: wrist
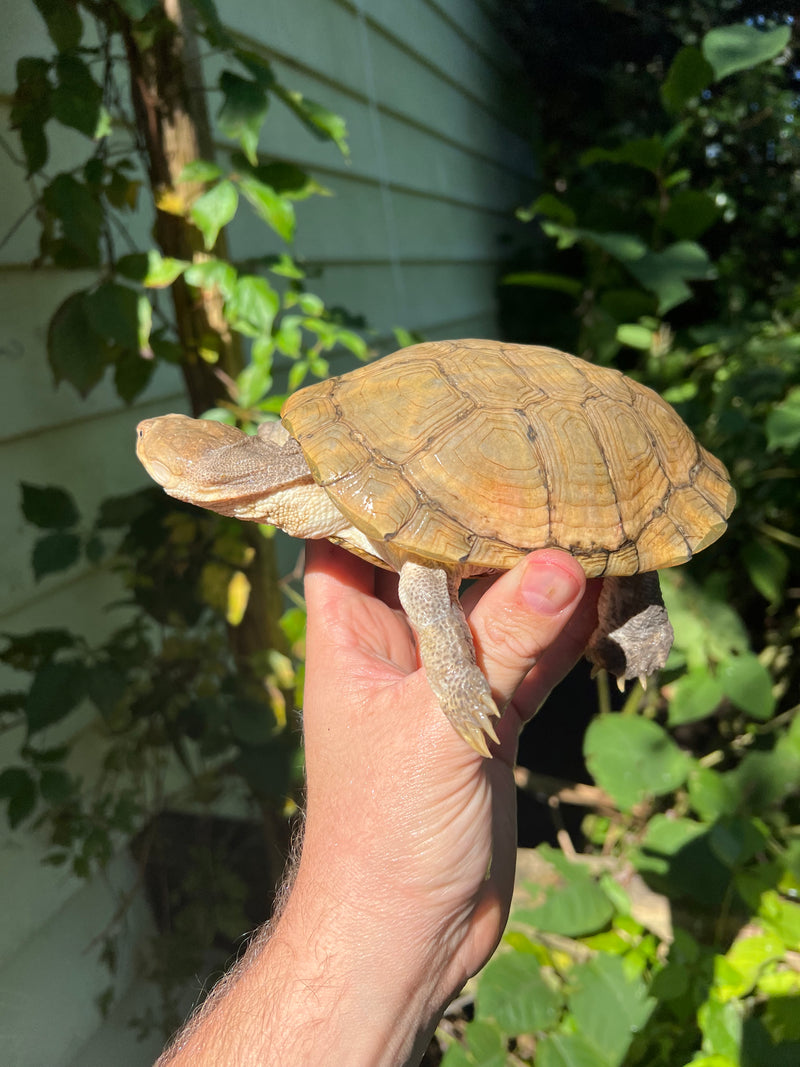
369, 984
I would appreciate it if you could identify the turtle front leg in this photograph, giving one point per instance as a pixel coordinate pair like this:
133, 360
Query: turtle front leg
429, 596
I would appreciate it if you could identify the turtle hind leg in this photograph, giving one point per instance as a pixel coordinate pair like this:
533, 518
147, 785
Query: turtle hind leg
633, 635
429, 595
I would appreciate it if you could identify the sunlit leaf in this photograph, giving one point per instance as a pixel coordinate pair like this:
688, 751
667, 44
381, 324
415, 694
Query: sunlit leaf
214, 209
322, 122
608, 1005
200, 170
252, 306
252, 383
635, 336
275, 210
238, 597
514, 994
632, 758
575, 906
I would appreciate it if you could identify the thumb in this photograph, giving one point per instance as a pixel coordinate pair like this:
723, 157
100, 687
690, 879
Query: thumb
522, 615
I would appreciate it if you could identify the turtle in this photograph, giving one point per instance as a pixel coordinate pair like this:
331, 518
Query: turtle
451, 459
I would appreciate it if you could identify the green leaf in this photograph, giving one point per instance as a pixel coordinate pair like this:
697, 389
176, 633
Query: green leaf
686, 78
18, 788
252, 307
275, 210
690, 213
132, 372
55, 785
737, 972
747, 683
200, 170
162, 270
213, 210
56, 689
542, 280
721, 1026
31, 108
48, 507
63, 22
706, 628
79, 213
647, 153
25, 652
666, 273
56, 552
632, 758
635, 336
251, 385
243, 111
486, 1045
574, 907
782, 423
76, 354
676, 857
694, 696
735, 841
113, 313
137, 9
551, 207
712, 794
783, 918
739, 47
289, 336
77, 99
609, 1007
568, 1050
212, 274
105, 686
767, 566
514, 993
323, 123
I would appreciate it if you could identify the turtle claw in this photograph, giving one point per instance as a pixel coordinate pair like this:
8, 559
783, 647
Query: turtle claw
474, 722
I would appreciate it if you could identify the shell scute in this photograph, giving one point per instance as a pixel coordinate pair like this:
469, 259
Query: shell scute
477, 452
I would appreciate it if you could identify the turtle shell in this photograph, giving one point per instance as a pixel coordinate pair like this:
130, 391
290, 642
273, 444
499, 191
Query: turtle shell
473, 453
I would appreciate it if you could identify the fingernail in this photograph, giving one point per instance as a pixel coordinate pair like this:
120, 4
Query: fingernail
548, 589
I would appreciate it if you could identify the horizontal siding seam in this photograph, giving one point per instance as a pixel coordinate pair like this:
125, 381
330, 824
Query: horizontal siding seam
96, 416
294, 64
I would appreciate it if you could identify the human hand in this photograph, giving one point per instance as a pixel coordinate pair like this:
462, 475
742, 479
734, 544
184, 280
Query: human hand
407, 866
404, 820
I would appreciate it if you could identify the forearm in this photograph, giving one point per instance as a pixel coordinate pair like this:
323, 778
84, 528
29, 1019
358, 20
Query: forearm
330, 983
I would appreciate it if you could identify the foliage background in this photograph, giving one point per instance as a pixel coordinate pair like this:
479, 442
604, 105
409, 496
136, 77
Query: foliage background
658, 236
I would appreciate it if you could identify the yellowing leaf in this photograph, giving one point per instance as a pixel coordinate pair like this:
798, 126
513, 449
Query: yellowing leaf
238, 596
